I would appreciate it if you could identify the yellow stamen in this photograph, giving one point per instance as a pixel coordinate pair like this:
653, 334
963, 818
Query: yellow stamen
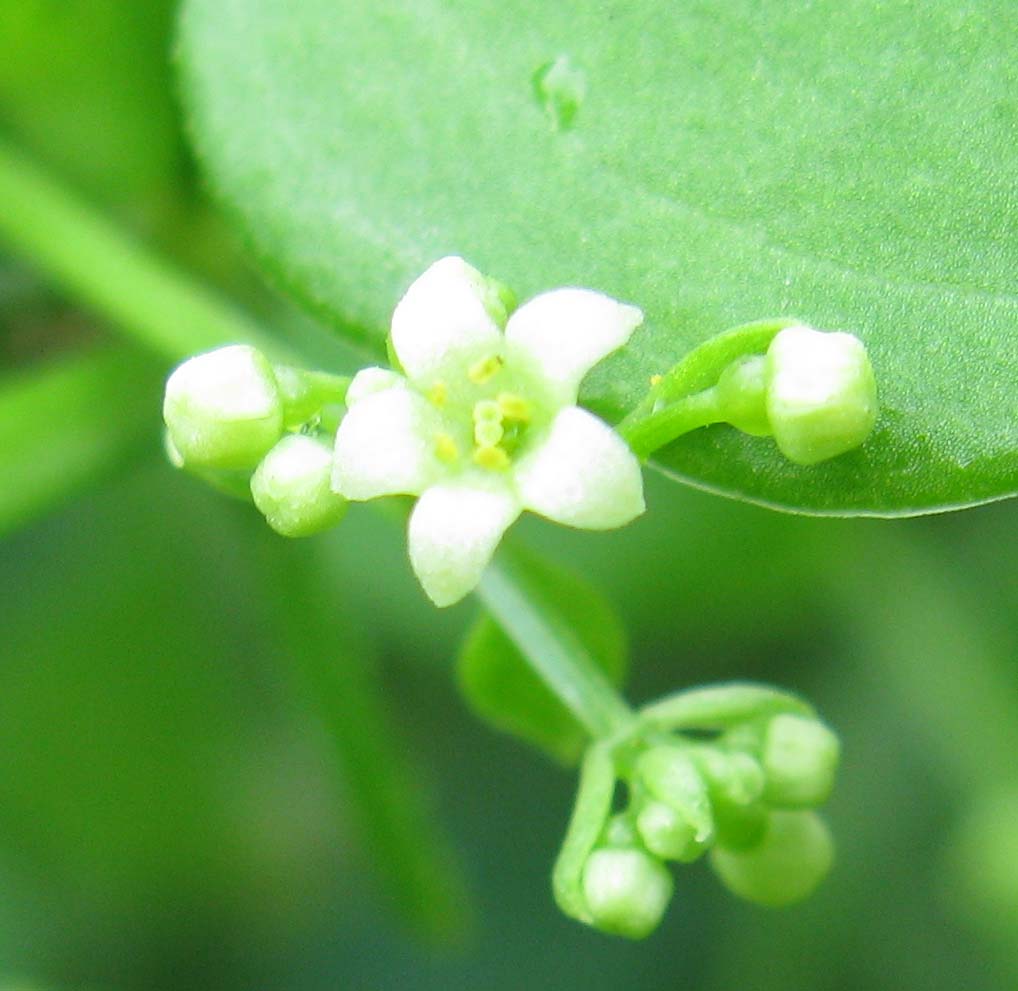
487, 433
514, 407
493, 458
446, 449
655, 380
439, 393
487, 410
484, 370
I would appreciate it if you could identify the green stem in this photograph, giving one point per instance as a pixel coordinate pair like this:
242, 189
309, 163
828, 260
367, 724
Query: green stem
109, 272
551, 648
683, 399
590, 811
646, 433
719, 706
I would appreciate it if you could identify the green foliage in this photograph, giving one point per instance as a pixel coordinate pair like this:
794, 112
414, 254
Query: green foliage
726, 163
167, 802
86, 84
68, 423
501, 686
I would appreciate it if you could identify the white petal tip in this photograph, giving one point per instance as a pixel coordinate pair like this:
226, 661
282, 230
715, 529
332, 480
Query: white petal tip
582, 475
565, 332
453, 532
382, 447
442, 314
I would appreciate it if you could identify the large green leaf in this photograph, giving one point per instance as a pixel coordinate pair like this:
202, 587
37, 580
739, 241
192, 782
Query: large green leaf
849, 162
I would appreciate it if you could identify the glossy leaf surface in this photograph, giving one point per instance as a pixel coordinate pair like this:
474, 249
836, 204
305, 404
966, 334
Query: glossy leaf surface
848, 163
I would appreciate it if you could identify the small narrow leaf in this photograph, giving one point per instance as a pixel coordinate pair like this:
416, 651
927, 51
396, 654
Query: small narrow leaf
501, 687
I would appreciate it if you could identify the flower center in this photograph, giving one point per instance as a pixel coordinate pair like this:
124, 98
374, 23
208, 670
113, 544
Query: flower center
485, 414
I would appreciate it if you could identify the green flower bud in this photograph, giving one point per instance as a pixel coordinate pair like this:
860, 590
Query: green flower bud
735, 785
742, 395
800, 759
620, 830
674, 781
291, 487
223, 409
793, 857
626, 891
821, 393
667, 833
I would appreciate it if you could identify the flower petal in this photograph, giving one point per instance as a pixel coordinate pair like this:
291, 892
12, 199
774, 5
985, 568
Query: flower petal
442, 313
368, 381
454, 530
566, 332
583, 474
384, 446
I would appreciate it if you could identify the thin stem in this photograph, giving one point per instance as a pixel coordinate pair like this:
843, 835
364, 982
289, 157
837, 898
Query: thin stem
720, 706
328, 387
590, 811
109, 272
646, 433
552, 648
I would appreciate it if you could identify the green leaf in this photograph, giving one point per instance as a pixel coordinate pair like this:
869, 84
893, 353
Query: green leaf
849, 163
68, 423
502, 687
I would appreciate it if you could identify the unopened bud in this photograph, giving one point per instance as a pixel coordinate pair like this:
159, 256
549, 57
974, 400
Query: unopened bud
821, 393
674, 781
793, 857
735, 784
223, 409
800, 760
626, 891
667, 833
742, 395
292, 489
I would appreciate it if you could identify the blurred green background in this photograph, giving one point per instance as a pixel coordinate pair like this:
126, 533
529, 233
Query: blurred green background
215, 744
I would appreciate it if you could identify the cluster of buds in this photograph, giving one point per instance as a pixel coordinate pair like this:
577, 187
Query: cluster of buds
258, 431
746, 798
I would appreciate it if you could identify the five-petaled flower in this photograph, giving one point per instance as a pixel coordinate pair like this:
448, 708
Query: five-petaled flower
484, 422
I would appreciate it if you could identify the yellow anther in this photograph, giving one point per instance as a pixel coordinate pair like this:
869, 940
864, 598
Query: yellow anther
487, 433
493, 458
446, 449
514, 407
438, 393
484, 370
655, 380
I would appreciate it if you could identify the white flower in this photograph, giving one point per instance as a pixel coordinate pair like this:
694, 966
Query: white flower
484, 424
